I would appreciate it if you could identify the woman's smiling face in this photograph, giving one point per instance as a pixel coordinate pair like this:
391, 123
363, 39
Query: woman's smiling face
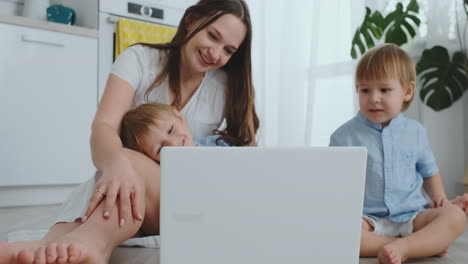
212, 47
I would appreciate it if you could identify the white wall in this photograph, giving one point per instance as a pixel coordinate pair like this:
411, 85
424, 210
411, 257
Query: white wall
446, 135
11, 7
446, 129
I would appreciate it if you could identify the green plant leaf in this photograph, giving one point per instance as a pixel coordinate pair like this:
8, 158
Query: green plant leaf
443, 81
398, 20
465, 6
370, 29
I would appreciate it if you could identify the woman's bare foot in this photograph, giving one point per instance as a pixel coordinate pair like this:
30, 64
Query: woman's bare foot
70, 249
391, 254
10, 252
7, 253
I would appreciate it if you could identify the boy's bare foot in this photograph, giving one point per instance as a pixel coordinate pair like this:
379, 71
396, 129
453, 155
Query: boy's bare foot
391, 254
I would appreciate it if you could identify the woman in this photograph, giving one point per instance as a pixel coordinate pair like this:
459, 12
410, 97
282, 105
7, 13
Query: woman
205, 72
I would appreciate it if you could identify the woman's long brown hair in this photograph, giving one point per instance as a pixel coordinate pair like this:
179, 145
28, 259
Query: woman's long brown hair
240, 94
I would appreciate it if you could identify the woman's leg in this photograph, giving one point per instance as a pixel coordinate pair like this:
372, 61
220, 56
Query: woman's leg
89, 242
434, 231
151, 173
9, 251
94, 240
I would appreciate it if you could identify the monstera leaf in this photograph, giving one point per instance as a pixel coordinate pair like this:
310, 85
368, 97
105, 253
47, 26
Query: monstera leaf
394, 25
443, 80
397, 21
371, 28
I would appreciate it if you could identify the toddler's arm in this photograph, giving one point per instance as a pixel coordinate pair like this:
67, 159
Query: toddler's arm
434, 187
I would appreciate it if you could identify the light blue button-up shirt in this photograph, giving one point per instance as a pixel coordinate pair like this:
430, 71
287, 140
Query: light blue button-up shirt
210, 141
399, 158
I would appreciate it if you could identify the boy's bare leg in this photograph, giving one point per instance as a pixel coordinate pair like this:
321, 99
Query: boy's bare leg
372, 243
434, 231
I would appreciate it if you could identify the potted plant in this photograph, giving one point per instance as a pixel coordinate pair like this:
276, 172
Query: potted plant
443, 79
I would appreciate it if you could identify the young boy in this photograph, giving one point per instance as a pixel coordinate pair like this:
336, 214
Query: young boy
398, 222
150, 127
146, 129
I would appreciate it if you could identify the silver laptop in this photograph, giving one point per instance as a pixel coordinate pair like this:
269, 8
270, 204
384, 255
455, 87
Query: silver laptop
261, 205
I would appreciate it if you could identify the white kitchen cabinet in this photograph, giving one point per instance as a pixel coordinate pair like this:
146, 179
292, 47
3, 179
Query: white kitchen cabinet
48, 97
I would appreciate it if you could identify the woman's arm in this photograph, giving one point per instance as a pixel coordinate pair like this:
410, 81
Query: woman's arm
435, 188
105, 140
118, 175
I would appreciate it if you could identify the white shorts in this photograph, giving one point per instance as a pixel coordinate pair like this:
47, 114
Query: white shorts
389, 228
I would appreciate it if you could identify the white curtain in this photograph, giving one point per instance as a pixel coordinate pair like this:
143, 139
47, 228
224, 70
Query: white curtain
303, 72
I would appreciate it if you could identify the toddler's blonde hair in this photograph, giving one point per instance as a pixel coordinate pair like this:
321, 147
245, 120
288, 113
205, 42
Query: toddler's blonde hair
136, 123
384, 62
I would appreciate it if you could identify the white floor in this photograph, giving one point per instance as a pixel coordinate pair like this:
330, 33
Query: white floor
41, 217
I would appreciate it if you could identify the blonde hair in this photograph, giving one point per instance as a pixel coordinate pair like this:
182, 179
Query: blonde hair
384, 62
136, 122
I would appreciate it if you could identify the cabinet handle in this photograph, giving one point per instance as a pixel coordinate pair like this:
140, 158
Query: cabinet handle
112, 19
44, 42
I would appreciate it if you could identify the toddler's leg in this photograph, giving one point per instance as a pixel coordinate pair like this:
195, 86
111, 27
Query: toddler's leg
372, 243
434, 231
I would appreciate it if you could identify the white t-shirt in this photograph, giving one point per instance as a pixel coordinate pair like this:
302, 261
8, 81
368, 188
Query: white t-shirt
139, 65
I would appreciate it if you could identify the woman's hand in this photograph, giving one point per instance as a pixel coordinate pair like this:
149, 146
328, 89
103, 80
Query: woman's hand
119, 180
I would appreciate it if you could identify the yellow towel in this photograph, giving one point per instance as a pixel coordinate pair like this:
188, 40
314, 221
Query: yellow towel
130, 31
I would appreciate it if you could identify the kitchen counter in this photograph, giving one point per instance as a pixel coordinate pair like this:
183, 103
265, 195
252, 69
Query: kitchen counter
52, 26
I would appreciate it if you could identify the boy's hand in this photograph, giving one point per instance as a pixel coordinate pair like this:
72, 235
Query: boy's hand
462, 202
439, 201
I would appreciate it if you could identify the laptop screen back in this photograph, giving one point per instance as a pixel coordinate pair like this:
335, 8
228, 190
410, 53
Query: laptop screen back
261, 205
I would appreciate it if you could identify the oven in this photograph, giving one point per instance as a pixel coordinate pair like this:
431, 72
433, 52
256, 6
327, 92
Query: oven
164, 12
